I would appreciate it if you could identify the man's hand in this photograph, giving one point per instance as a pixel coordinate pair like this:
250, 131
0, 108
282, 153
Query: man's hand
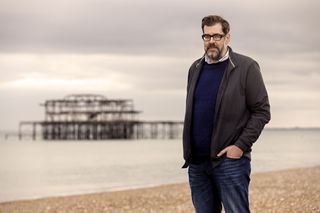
231, 152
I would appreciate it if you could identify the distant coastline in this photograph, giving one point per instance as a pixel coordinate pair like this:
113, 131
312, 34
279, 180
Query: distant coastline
8, 134
266, 128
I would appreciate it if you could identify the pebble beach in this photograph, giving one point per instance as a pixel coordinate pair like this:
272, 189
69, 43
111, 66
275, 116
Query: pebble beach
294, 190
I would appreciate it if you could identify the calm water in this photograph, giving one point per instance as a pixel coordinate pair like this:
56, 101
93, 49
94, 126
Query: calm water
41, 169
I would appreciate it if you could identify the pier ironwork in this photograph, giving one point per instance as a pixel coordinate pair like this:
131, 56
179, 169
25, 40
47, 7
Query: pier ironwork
95, 117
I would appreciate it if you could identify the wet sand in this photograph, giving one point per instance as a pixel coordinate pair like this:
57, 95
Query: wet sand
295, 190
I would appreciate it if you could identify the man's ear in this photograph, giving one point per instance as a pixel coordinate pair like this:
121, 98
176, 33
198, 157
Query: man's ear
228, 38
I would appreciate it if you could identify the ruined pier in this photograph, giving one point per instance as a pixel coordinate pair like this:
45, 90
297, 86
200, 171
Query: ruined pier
94, 117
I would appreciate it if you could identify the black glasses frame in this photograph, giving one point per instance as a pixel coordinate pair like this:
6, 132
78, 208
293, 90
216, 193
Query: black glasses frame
216, 37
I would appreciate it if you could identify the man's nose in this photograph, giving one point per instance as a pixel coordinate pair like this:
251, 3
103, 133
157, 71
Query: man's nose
212, 40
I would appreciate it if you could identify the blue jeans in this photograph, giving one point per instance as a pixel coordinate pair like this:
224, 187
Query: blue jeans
226, 184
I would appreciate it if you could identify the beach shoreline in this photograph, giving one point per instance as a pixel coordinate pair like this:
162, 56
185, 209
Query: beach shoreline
292, 190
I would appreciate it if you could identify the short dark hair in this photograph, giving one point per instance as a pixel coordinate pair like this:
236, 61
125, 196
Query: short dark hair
214, 19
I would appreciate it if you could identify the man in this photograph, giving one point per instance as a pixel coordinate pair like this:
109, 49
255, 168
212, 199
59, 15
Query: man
226, 109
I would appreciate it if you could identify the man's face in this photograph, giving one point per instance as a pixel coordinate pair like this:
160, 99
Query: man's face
215, 48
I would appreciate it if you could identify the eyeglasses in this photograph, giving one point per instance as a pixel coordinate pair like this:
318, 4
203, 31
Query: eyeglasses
216, 37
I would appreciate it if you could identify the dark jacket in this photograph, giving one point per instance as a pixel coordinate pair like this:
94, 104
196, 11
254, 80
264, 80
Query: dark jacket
242, 107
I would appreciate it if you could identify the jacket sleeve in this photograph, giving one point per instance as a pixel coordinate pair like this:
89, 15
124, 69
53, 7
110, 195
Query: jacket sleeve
258, 105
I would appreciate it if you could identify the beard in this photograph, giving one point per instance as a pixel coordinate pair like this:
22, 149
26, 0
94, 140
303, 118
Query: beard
214, 53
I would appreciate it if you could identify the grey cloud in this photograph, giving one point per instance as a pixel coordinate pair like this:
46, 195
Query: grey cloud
147, 27
281, 35
101, 27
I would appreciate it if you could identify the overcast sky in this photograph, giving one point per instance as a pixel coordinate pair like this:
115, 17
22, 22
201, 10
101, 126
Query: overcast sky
142, 49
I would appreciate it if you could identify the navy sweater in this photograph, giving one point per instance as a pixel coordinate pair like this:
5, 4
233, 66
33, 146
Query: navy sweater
203, 109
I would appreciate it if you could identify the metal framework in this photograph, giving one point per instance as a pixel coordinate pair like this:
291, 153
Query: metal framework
94, 117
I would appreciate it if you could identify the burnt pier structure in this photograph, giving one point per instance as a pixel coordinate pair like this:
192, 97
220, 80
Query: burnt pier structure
94, 117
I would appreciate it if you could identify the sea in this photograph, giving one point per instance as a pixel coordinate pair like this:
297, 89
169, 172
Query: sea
38, 169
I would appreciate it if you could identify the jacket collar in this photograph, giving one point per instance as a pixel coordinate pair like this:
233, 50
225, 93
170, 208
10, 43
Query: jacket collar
231, 57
